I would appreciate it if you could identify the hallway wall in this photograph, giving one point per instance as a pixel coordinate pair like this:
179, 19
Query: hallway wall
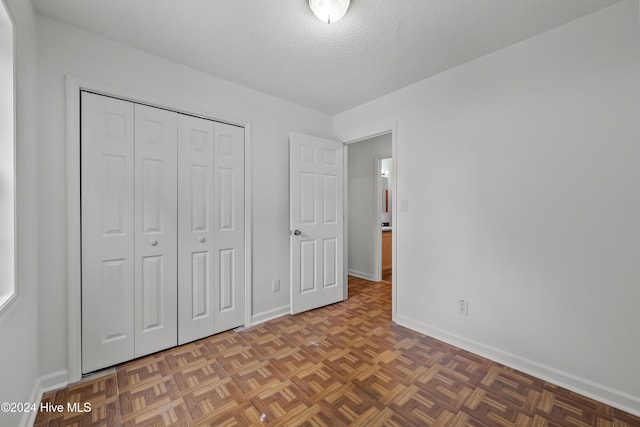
362, 211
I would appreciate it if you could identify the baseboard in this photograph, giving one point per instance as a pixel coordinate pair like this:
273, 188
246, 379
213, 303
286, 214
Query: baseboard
599, 392
54, 381
42, 385
265, 316
361, 275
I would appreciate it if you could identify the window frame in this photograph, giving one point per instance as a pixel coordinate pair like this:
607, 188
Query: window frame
8, 265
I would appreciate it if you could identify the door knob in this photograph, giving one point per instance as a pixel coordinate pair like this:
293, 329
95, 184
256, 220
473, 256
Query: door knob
297, 232
201, 239
153, 242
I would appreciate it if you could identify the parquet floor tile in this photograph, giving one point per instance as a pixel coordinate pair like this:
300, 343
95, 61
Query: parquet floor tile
320, 348
173, 413
145, 396
103, 413
224, 342
141, 371
214, 399
253, 379
446, 385
241, 415
346, 364
317, 381
195, 375
292, 361
188, 355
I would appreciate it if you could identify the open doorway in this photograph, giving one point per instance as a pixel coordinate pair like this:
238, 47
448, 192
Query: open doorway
385, 210
369, 200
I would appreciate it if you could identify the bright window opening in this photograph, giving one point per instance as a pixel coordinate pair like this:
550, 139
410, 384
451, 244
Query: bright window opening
7, 161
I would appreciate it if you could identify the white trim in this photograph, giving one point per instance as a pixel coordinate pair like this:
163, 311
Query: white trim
73, 87
42, 385
377, 232
7, 299
265, 316
9, 291
54, 381
248, 224
345, 222
28, 418
369, 136
395, 223
361, 275
74, 300
599, 392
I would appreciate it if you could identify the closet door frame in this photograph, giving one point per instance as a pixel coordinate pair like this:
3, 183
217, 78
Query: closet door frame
74, 85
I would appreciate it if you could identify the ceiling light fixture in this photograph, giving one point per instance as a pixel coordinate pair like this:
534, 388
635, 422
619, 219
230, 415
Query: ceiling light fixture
329, 10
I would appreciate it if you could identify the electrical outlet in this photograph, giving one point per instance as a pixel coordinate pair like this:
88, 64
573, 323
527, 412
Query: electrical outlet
463, 307
275, 285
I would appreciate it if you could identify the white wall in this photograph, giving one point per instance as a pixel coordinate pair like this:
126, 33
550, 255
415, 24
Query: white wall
63, 50
522, 174
19, 322
363, 209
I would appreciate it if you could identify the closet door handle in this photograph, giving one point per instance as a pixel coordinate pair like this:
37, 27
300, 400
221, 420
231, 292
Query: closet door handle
153, 242
201, 239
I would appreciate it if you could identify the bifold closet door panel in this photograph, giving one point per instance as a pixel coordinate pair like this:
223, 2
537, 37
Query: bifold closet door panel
228, 264
156, 229
107, 176
162, 229
195, 229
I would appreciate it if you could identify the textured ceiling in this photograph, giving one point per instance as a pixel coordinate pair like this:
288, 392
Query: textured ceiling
279, 47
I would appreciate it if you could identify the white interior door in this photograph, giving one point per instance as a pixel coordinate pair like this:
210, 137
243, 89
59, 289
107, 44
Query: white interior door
316, 198
228, 220
195, 232
211, 228
156, 246
107, 174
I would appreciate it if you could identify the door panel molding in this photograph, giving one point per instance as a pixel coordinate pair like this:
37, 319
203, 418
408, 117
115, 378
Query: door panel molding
73, 87
227, 220
156, 228
195, 229
108, 232
316, 182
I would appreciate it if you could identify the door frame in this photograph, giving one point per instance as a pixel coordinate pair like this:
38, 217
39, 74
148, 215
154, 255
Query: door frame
385, 128
377, 246
73, 86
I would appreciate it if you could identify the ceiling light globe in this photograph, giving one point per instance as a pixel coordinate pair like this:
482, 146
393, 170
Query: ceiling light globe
329, 10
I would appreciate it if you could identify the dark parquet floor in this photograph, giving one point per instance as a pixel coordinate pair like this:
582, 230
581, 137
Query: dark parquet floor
344, 364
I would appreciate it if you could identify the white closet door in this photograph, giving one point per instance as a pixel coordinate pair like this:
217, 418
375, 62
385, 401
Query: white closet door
228, 181
156, 234
195, 229
107, 171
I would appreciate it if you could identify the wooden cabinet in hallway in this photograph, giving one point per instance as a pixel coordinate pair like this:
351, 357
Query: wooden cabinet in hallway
387, 265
